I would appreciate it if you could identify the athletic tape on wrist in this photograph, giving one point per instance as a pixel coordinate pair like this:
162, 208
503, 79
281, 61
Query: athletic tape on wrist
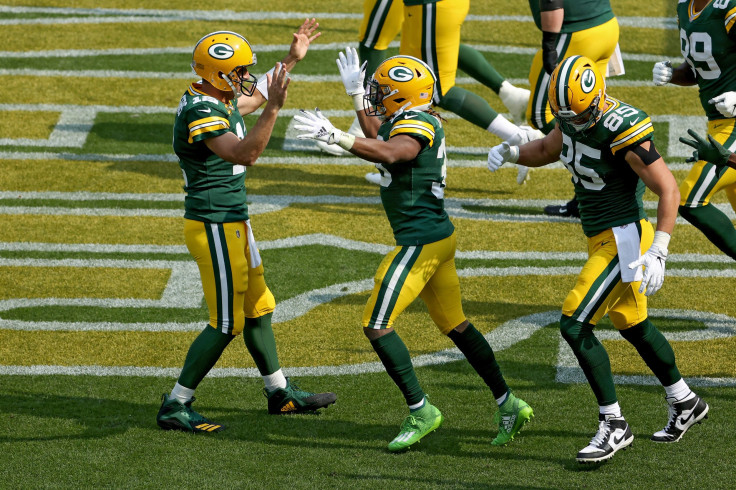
661, 240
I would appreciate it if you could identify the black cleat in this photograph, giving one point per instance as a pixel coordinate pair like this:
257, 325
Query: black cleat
568, 210
613, 434
293, 400
683, 415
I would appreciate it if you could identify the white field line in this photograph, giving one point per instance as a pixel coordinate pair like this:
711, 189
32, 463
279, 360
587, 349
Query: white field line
270, 48
260, 204
501, 338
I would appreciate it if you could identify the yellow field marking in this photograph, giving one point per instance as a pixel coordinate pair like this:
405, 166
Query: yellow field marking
73, 282
22, 124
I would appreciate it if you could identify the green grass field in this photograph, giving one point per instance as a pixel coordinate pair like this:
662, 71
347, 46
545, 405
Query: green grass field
99, 298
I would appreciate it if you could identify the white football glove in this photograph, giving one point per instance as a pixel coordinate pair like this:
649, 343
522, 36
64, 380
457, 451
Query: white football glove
352, 74
662, 72
725, 103
501, 154
653, 261
318, 127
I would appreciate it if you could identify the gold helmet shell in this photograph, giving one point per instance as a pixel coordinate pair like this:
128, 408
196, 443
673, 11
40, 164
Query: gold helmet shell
223, 58
577, 93
400, 83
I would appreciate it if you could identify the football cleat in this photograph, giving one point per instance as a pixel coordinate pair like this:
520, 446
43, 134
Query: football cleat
174, 415
613, 434
511, 416
516, 100
293, 400
683, 415
415, 426
569, 209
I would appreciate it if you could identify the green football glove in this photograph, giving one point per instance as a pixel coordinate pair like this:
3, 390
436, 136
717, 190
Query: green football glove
710, 150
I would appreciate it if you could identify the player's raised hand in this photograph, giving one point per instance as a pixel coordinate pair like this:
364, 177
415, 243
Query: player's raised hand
351, 71
277, 85
303, 37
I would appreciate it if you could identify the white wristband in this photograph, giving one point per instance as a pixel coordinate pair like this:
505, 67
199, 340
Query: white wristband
661, 240
262, 85
513, 154
346, 141
358, 102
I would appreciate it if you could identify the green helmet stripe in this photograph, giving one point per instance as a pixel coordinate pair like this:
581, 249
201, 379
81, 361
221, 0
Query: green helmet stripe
563, 82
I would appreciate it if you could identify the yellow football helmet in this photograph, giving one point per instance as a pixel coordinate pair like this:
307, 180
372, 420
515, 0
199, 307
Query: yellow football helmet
577, 93
400, 83
223, 59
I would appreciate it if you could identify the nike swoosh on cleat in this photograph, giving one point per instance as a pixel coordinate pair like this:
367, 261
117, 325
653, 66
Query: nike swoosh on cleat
682, 421
617, 441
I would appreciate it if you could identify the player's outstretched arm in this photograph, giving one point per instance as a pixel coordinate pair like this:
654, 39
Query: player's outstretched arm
536, 153
400, 148
246, 151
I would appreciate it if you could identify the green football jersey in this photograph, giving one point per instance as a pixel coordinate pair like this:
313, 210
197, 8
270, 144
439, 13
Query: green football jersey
413, 193
608, 190
708, 44
215, 188
579, 14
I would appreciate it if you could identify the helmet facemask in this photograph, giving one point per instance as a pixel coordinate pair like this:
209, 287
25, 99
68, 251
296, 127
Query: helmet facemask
373, 99
573, 122
241, 76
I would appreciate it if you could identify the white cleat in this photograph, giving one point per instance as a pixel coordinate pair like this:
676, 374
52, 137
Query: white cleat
516, 100
613, 434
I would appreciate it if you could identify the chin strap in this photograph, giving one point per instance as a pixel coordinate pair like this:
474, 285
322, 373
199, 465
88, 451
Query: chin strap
230, 83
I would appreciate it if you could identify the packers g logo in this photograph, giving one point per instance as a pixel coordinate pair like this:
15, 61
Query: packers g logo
400, 74
587, 81
221, 51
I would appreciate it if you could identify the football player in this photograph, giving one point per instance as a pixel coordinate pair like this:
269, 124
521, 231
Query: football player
214, 150
607, 146
437, 42
587, 28
708, 44
407, 143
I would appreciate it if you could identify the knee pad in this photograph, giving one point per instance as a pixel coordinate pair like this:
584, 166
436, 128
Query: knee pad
570, 329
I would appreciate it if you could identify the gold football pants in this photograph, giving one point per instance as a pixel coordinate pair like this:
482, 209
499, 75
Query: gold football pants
431, 33
381, 23
703, 181
597, 43
231, 271
599, 289
427, 271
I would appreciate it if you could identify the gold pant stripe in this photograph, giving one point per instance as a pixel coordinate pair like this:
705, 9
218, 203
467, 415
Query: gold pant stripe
382, 20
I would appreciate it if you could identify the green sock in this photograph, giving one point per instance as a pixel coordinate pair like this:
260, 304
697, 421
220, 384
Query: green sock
261, 343
202, 356
655, 350
480, 355
395, 358
592, 357
471, 107
715, 225
472, 62
374, 58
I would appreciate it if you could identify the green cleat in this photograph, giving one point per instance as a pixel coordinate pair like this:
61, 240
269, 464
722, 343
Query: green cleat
511, 417
415, 426
174, 415
293, 400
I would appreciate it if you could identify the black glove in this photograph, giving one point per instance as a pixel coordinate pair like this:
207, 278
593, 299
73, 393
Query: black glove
549, 53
